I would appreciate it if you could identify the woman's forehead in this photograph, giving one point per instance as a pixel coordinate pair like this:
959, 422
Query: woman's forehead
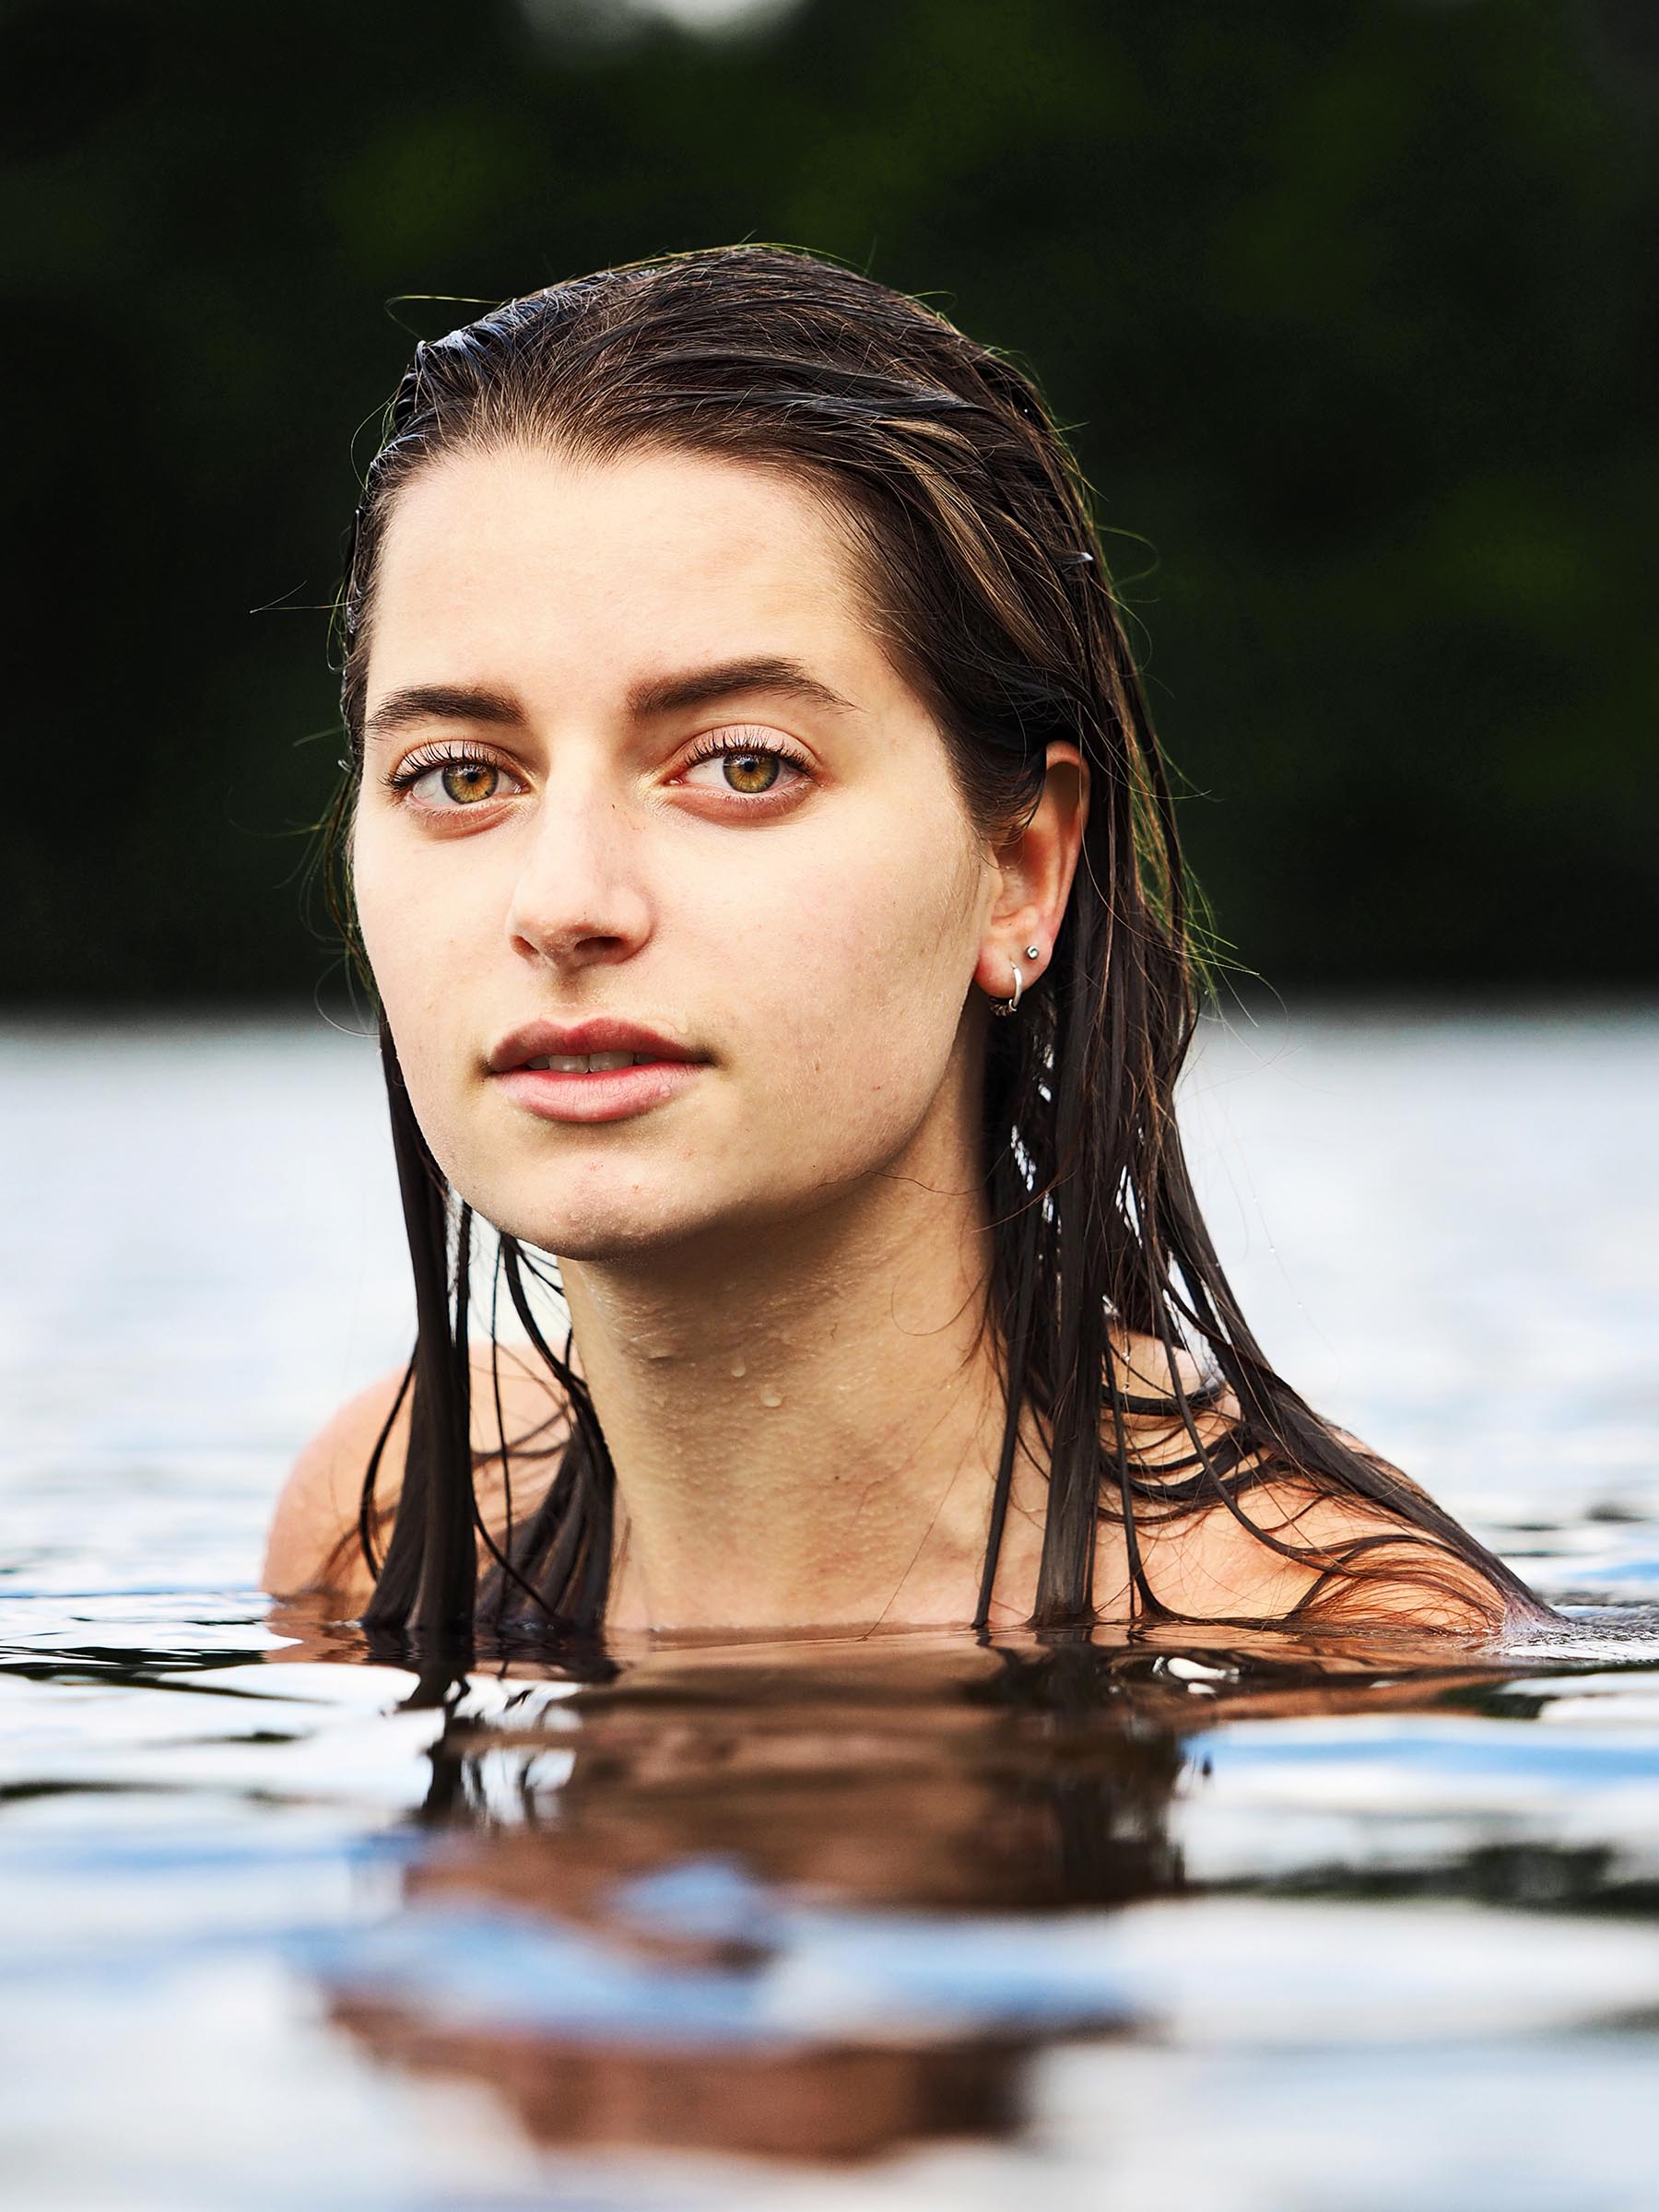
527, 564
640, 521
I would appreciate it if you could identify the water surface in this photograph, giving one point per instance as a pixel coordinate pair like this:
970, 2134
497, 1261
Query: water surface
1326, 1927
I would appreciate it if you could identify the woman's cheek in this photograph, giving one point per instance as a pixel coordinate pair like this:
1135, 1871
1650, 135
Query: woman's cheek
417, 965
866, 1020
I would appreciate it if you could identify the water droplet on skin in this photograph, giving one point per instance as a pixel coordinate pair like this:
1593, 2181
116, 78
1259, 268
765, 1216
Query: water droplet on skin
740, 1366
772, 1397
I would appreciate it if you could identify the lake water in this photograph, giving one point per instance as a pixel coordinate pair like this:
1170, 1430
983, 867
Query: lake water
1250, 1926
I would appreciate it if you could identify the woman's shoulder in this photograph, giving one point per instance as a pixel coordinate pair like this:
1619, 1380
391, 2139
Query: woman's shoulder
307, 1547
312, 1547
1291, 1544
1295, 1551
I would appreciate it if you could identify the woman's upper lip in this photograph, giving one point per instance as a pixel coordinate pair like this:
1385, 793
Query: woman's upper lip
599, 1034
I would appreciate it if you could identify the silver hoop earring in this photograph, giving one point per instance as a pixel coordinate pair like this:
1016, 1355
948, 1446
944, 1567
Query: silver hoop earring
1005, 1006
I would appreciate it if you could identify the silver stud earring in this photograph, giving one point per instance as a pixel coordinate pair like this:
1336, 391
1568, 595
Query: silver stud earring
1033, 953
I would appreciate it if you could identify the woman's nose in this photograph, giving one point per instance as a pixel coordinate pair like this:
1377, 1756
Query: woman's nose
578, 898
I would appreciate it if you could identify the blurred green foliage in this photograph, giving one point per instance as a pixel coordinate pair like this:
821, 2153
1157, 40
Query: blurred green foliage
1352, 308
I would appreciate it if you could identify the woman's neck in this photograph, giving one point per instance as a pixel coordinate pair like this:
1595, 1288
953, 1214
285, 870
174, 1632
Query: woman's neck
805, 1423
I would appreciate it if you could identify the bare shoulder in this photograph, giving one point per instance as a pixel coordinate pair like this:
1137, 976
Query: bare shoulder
1361, 1566
307, 1547
312, 1545
1292, 1548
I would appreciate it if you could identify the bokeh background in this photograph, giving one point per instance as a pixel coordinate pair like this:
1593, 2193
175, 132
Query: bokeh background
1352, 308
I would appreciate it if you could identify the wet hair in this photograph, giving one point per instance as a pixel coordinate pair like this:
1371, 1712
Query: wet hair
984, 573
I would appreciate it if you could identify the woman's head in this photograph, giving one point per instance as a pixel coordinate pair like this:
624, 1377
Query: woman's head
743, 505
635, 755
738, 498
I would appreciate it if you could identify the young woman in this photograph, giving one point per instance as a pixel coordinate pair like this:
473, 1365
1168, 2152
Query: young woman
770, 889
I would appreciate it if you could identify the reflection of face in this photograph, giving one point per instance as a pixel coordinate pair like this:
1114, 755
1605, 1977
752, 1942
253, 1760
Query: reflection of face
930, 1779
807, 925
869, 1776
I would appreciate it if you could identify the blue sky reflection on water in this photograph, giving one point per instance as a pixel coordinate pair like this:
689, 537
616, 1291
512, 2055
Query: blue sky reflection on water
907, 1926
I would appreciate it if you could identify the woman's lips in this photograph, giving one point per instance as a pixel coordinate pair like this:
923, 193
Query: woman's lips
611, 1094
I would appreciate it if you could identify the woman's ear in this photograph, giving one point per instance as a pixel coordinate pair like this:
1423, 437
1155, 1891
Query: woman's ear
1034, 866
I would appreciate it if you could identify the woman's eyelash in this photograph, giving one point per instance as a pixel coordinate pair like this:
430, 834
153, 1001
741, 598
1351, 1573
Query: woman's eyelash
720, 743
421, 762
717, 746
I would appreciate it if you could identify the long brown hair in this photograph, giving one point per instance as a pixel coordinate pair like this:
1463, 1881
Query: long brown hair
983, 569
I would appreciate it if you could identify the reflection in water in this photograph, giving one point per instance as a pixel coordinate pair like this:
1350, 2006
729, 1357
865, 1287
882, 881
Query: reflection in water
809, 1901
1395, 1947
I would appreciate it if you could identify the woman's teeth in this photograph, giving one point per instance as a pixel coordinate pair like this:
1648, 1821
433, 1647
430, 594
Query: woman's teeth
588, 1064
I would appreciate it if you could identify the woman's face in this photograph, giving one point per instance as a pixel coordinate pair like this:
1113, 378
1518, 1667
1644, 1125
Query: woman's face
633, 755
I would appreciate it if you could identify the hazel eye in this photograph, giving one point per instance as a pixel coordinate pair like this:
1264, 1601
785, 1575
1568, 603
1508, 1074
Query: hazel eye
751, 773
744, 767
468, 782
451, 782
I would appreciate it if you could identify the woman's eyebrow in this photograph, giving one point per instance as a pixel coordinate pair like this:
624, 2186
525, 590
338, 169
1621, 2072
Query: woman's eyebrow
657, 695
441, 703
726, 680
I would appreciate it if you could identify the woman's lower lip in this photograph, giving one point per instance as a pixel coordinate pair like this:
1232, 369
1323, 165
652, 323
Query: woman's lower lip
611, 1094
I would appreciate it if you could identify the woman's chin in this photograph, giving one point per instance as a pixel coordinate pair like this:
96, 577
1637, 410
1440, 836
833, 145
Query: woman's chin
633, 1225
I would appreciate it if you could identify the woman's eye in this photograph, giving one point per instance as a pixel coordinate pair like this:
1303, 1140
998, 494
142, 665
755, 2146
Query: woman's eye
451, 787
750, 771
467, 781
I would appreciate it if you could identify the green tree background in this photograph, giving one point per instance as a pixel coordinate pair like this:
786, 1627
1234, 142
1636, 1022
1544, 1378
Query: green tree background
1352, 308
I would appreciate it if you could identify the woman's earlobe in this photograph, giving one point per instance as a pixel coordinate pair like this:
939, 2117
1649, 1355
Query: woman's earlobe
1022, 982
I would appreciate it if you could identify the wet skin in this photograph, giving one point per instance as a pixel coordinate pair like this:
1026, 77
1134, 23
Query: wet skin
635, 754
